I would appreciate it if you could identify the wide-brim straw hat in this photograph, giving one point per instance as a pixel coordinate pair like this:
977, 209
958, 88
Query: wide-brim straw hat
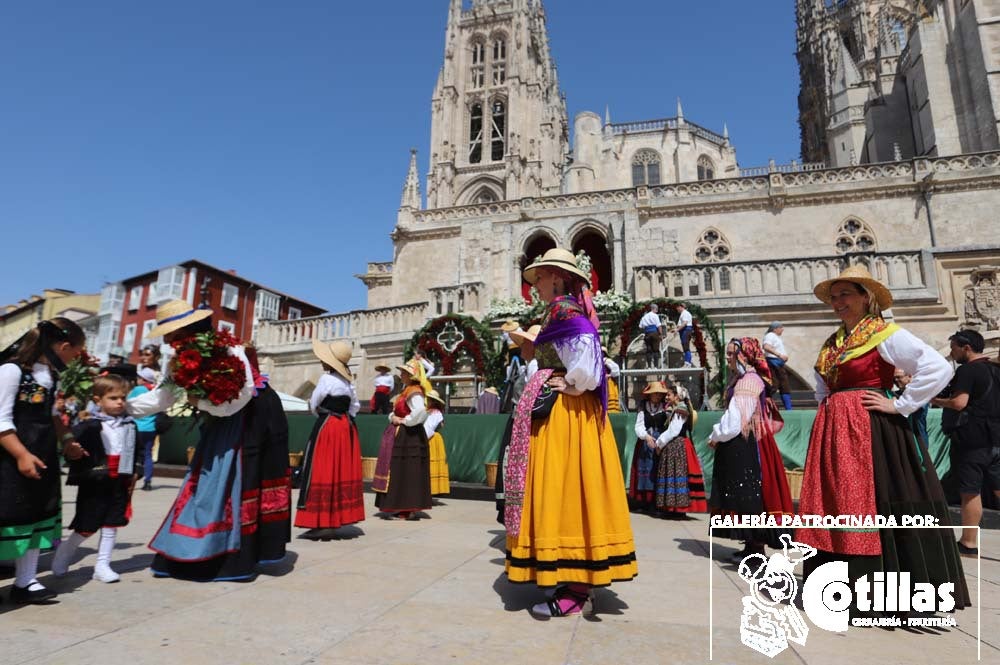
491, 390
412, 366
174, 315
859, 275
555, 258
509, 325
519, 336
654, 387
434, 396
335, 354
382, 368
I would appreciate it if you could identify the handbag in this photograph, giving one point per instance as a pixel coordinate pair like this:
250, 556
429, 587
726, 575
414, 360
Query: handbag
544, 402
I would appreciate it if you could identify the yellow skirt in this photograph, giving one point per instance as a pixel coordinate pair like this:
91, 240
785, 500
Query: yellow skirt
439, 465
575, 523
614, 399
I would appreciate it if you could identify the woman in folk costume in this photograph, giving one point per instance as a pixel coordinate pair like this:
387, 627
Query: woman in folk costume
749, 476
650, 423
566, 513
680, 485
525, 340
864, 458
30, 438
332, 494
233, 510
402, 480
384, 383
439, 458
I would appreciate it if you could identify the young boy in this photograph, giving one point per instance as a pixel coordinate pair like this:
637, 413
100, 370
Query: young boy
105, 477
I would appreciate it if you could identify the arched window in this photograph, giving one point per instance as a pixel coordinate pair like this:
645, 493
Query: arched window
478, 67
476, 133
499, 61
712, 248
645, 168
498, 133
485, 195
855, 236
706, 169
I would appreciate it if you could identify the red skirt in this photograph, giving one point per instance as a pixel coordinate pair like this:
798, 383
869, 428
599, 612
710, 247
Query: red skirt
332, 492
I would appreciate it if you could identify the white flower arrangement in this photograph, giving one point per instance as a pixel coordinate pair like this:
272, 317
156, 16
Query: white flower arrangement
612, 301
583, 262
513, 308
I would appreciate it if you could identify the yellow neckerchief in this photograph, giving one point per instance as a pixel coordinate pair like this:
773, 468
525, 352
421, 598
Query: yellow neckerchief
842, 347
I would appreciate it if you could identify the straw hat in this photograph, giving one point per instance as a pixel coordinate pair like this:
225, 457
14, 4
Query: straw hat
509, 325
555, 258
434, 396
491, 390
858, 275
412, 366
654, 387
382, 368
519, 336
334, 354
174, 315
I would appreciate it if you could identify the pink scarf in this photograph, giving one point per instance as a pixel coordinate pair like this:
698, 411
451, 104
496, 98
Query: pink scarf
515, 470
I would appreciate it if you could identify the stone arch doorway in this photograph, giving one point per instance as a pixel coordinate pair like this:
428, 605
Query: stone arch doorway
537, 245
596, 247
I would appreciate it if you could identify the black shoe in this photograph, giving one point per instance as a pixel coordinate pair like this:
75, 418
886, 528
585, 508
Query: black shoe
965, 550
26, 597
147, 486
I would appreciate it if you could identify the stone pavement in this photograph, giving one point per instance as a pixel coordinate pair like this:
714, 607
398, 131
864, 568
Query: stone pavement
433, 592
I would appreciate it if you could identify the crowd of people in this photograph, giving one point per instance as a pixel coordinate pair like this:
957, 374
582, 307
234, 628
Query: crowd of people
561, 490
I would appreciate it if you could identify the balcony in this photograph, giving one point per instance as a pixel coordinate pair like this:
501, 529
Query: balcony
459, 299
905, 273
298, 334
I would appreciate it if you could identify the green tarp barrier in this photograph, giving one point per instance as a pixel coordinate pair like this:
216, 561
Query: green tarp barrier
472, 440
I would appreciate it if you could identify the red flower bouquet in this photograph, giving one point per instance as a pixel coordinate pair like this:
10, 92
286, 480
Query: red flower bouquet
204, 368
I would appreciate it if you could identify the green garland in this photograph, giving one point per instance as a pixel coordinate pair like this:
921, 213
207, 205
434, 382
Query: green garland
702, 320
483, 344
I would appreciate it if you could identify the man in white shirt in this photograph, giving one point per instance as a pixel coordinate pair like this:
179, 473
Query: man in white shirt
685, 328
652, 329
774, 353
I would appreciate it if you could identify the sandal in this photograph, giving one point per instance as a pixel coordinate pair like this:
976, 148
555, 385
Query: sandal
551, 608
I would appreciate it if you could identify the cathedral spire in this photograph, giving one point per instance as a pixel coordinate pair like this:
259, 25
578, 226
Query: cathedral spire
607, 114
680, 112
411, 188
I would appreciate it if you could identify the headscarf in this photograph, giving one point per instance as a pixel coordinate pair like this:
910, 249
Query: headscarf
418, 374
750, 355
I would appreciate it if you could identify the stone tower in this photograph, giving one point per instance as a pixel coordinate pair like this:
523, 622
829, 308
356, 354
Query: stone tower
499, 128
847, 52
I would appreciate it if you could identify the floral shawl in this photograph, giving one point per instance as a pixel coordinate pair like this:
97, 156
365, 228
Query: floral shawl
842, 347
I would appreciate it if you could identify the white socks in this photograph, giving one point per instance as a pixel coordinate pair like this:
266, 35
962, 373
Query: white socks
102, 571
65, 551
25, 569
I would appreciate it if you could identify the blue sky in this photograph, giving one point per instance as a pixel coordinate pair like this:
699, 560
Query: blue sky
273, 138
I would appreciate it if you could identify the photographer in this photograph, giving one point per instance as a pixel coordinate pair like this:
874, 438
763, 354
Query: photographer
974, 429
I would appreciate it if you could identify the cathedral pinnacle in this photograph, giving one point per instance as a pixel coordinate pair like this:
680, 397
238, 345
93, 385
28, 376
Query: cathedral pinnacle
680, 112
411, 188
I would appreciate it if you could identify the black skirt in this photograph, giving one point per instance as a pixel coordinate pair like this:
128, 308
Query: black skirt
737, 490
409, 473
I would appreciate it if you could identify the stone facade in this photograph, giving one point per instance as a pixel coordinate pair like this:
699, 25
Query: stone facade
663, 208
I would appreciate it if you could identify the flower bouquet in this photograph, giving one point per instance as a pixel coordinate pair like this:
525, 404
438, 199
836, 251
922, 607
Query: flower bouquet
204, 368
77, 380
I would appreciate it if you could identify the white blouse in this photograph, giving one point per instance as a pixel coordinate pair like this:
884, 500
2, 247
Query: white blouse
904, 350
163, 396
10, 381
673, 430
434, 418
334, 385
385, 380
584, 368
640, 422
730, 425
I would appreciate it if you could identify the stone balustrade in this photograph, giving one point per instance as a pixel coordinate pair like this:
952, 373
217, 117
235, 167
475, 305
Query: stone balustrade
460, 299
902, 272
793, 167
298, 334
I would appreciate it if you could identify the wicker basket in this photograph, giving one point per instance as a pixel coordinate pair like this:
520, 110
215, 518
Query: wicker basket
190, 454
491, 474
295, 459
368, 467
794, 482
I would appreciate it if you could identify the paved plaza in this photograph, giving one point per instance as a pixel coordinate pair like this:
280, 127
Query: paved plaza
432, 592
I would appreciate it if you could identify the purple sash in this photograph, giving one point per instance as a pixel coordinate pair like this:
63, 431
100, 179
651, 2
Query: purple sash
380, 481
